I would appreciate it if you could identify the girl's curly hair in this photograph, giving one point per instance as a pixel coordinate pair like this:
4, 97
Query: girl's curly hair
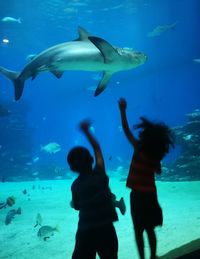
155, 138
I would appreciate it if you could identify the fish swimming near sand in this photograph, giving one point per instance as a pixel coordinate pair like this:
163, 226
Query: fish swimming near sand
161, 29
86, 53
11, 214
11, 19
46, 232
51, 148
38, 220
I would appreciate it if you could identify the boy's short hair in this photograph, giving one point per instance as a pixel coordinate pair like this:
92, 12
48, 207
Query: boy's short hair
79, 159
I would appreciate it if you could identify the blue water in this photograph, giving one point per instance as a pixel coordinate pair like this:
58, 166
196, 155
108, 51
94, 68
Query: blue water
165, 88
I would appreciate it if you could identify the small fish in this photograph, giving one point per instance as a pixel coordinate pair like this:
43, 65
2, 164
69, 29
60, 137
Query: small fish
197, 60
160, 29
35, 173
11, 19
10, 201
24, 191
28, 163
51, 148
70, 10
35, 159
46, 232
11, 214
38, 220
187, 137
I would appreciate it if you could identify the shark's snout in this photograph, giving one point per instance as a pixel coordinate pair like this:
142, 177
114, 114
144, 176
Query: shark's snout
140, 57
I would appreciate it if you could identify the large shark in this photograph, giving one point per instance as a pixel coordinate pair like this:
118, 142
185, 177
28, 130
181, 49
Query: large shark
85, 53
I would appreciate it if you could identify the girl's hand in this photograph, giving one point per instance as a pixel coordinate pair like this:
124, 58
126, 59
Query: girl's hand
85, 125
122, 104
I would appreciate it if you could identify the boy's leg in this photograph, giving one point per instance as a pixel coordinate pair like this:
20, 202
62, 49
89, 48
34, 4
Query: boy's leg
107, 243
152, 242
85, 246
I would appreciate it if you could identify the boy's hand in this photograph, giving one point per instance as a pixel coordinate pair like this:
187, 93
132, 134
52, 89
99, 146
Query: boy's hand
122, 104
85, 125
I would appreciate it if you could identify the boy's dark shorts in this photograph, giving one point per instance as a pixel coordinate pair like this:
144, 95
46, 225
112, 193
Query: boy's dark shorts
145, 210
102, 241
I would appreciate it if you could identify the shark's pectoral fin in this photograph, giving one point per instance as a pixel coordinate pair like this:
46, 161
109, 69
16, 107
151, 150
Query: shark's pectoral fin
108, 52
57, 73
34, 76
103, 83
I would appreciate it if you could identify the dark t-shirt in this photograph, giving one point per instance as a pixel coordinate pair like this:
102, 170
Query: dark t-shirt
91, 195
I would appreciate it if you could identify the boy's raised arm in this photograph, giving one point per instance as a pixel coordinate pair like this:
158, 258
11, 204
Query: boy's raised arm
122, 107
85, 127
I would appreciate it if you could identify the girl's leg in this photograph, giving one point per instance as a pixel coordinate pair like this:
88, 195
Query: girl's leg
152, 242
140, 241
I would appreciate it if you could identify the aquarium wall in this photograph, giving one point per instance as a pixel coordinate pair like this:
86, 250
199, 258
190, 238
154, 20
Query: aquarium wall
65, 61
163, 86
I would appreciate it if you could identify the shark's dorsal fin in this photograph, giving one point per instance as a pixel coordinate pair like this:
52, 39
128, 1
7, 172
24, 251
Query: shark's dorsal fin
83, 34
103, 83
107, 50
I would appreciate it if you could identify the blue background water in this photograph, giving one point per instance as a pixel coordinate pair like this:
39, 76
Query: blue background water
166, 87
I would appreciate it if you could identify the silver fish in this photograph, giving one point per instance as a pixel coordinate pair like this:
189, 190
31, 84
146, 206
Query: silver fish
160, 29
46, 232
38, 220
9, 19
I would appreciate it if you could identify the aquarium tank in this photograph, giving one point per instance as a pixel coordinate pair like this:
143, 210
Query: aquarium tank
64, 61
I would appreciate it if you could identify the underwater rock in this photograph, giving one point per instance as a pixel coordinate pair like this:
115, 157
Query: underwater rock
195, 115
186, 167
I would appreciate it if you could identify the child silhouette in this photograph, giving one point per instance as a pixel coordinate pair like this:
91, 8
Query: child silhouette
91, 195
152, 145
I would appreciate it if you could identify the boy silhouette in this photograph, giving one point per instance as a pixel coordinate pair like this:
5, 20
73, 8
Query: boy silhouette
91, 195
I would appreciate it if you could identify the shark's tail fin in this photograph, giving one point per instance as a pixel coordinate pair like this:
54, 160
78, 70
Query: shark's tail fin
14, 77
